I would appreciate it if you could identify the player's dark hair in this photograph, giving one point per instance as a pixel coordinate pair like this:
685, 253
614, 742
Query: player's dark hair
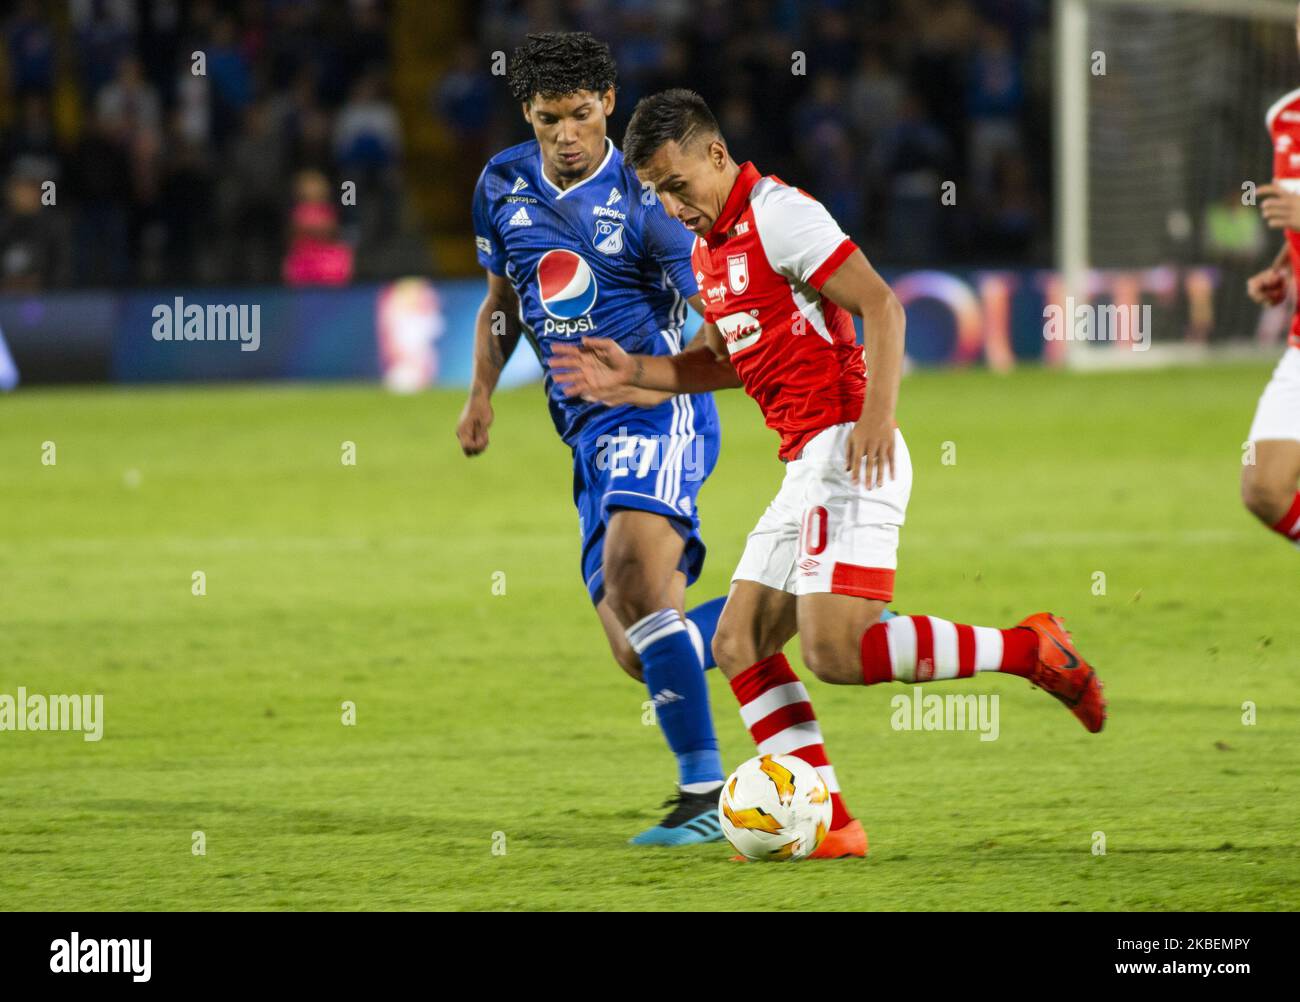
557, 63
677, 115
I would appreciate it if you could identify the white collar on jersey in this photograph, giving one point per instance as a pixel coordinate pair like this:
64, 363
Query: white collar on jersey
561, 192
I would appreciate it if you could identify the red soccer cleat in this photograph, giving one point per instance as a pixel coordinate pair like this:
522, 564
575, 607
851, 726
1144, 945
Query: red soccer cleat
1063, 672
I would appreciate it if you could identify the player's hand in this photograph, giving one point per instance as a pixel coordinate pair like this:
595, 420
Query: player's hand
472, 428
871, 450
1280, 208
594, 371
1268, 288
636, 396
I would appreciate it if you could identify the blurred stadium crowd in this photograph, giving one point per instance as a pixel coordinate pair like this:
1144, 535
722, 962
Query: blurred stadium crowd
234, 175
893, 98
228, 175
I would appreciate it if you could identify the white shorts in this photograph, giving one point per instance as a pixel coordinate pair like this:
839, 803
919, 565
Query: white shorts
1278, 413
825, 533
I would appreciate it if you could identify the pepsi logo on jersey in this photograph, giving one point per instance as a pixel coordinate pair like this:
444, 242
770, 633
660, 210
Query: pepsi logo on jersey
566, 287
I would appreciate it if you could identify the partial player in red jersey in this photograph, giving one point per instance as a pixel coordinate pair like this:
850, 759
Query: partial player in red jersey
1270, 476
781, 283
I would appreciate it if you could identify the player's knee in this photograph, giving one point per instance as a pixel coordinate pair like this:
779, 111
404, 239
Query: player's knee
627, 660
1266, 501
629, 594
624, 654
830, 661
628, 598
733, 649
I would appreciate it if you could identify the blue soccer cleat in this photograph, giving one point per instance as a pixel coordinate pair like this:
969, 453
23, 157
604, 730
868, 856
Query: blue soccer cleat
692, 820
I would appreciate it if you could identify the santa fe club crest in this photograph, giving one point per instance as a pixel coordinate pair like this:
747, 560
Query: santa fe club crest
738, 272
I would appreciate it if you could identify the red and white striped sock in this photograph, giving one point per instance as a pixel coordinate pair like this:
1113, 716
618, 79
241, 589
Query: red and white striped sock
928, 649
775, 707
1289, 524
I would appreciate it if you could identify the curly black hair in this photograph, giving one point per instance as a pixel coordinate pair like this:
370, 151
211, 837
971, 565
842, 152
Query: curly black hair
557, 63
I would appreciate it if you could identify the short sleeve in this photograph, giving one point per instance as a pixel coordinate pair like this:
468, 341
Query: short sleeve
670, 243
487, 243
801, 239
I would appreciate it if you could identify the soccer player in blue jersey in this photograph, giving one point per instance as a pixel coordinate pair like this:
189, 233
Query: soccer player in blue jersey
572, 246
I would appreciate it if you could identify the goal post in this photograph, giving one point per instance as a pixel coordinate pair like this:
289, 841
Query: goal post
1071, 59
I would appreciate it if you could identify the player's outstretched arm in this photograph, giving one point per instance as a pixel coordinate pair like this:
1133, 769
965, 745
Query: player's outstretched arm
636, 397
496, 333
599, 368
639, 397
706, 361
857, 287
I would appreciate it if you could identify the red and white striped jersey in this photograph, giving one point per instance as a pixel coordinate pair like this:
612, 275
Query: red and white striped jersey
1284, 129
760, 270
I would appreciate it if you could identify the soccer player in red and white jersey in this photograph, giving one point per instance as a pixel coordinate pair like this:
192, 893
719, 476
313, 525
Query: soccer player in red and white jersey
1268, 485
781, 282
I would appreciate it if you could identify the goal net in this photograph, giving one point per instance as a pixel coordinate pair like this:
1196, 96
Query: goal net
1160, 109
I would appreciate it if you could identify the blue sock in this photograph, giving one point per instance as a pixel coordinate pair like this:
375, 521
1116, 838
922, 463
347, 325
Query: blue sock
676, 684
702, 621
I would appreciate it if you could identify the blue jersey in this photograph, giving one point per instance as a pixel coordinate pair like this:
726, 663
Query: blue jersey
596, 259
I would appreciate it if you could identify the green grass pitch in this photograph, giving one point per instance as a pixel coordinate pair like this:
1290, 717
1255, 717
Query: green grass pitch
492, 721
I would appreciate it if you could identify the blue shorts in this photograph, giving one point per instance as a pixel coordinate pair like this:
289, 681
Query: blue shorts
647, 459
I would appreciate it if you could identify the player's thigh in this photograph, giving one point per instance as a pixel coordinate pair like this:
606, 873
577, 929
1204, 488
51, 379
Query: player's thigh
617, 636
848, 554
849, 535
830, 633
642, 552
1268, 485
650, 474
756, 622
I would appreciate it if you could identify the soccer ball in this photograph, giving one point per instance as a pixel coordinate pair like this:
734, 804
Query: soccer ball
775, 807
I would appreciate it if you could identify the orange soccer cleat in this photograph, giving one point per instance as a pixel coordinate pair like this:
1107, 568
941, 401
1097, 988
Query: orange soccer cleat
851, 840
848, 842
1063, 672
